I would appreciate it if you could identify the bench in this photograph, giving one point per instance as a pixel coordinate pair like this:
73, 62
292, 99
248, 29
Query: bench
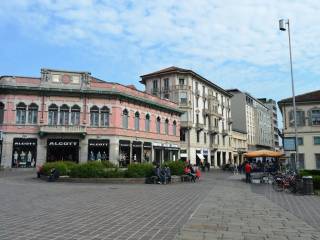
185, 178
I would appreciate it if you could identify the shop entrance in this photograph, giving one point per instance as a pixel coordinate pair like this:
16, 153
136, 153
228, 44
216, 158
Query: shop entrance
98, 149
63, 150
219, 159
147, 151
24, 152
157, 155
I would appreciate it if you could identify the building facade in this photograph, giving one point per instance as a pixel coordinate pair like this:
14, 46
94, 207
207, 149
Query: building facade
308, 128
66, 115
206, 124
252, 117
239, 145
272, 105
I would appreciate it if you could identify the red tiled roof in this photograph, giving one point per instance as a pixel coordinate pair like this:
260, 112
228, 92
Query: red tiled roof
306, 97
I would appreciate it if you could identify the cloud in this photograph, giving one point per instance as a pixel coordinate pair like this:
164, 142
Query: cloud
231, 42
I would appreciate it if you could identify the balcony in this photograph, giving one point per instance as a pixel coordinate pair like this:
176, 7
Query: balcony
63, 129
184, 103
155, 91
213, 129
214, 146
166, 89
229, 121
181, 87
186, 124
199, 126
205, 111
225, 132
197, 92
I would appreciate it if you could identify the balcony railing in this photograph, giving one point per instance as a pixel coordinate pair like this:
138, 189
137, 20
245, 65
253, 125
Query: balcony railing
214, 145
186, 124
181, 87
63, 129
213, 129
225, 132
199, 126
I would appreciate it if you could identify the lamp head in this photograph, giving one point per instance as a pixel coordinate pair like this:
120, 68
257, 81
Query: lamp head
282, 25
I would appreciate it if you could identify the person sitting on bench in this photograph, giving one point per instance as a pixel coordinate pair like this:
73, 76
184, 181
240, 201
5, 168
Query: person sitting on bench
188, 171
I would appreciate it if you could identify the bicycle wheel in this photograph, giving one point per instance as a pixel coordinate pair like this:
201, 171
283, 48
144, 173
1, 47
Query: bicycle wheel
277, 186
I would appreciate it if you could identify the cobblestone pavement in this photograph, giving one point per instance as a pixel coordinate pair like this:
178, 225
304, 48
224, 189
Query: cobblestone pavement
233, 211
33, 209
303, 206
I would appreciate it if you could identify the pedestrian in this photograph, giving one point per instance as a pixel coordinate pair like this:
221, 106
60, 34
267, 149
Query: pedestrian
247, 170
235, 169
207, 166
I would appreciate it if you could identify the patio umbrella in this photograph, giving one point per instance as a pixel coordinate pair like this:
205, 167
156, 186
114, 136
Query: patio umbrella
263, 153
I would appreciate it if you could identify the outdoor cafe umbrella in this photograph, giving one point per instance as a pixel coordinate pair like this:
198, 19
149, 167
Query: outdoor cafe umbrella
263, 153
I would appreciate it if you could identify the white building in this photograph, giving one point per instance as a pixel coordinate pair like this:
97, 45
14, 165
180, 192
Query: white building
308, 128
206, 124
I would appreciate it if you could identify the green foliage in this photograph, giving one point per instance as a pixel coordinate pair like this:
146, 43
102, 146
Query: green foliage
176, 167
108, 164
88, 170
63, 167
137, 170
316, 182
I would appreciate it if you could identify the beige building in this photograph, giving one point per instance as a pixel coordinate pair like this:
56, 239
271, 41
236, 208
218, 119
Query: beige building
308, 127
206, 124
239, 145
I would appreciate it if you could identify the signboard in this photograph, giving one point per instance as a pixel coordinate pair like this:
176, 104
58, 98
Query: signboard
24, 142
98, 142
63, 142
289, 144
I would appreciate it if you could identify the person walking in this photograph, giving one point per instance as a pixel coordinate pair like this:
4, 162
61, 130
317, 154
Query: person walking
235, 169
247, 170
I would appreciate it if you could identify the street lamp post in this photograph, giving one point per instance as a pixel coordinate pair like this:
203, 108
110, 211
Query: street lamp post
282, 27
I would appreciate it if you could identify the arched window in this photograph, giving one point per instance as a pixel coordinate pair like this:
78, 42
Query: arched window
125, 118
21, 113
53, 114
105, 116
147, 123
75, 115
1, 112
166, 126
64, 115
137, 121
33, 113
158, 124
174, 128
94, 116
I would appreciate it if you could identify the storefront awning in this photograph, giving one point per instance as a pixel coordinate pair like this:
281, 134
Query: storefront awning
184, 155
263, 153
200, 156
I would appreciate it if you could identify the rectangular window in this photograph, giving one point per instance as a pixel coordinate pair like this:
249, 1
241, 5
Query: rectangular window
75, 118
203, 90
198, 136
197, 118
197, 102
166, 84
300, 119
317, 155
300, 141
315, 117
205, 138
316, 140
197, 85
301, 161
155, 87
181, 81
183, 98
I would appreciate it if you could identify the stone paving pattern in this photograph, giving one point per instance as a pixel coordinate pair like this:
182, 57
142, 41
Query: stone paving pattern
220, 206
232, 211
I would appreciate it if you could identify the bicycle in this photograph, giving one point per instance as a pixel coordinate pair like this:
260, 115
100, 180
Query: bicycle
285, 182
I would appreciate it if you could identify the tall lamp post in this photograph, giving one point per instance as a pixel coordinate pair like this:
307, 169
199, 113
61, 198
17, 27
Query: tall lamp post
283, 23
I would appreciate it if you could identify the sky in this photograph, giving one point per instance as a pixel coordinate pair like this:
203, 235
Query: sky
235, 44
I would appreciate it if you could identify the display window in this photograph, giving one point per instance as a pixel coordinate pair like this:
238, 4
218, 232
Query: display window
63, 150
98, 149
124, 153
136, 151
24, 152
147, 151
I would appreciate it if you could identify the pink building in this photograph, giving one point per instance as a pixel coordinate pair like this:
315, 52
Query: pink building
66, 115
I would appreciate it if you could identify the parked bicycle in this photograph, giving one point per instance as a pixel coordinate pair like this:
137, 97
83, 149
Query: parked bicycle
285, 182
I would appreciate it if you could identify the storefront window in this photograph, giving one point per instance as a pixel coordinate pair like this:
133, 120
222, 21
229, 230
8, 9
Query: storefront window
33, 113
105, 117
24, 152
53, 114
136, 151
75, 115
94, 116
98, 149
147, 151
21, 113
158, 124
166, 127
125, 116
137, 121
62, 150
1, 112
64, 115
124, 153
147, 127
174, 128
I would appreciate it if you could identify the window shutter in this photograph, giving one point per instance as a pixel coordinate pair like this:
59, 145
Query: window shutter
309, 118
